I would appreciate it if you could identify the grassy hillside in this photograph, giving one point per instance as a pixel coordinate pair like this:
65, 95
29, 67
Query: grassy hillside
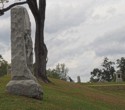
67, 96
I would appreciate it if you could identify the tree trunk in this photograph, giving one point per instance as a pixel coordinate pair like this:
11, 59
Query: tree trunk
40, 47
40, 52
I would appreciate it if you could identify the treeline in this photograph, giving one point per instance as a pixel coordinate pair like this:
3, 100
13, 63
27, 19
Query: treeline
107, 71
59, 72
3, 66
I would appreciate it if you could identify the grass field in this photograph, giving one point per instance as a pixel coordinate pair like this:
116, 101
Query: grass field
67, 96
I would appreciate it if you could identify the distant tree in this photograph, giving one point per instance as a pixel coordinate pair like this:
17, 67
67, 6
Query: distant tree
95, 75
108, 70
60, 72
121, 66
1, 57
3, 66
53, 73
107, 73
37, 8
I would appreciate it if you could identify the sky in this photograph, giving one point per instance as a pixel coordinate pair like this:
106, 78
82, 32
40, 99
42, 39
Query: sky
79, 33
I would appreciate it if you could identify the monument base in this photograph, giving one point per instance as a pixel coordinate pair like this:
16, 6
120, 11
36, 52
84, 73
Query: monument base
27, 88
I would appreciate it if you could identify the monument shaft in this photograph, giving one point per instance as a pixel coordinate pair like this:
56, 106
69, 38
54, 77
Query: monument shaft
23, 82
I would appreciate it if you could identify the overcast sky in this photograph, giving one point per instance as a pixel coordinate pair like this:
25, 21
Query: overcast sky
79, 33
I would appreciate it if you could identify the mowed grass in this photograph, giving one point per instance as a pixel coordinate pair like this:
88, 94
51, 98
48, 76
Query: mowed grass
61, 95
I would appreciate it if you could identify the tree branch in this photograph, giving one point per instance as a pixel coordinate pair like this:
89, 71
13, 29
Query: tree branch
34, 8
11, 6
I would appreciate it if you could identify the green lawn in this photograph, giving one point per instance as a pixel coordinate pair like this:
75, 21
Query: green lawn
67, 96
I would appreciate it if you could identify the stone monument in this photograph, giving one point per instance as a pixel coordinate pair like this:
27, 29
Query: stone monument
23, 82
119, 76
78, 79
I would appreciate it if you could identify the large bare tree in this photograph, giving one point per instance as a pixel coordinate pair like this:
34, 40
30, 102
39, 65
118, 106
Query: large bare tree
37, 8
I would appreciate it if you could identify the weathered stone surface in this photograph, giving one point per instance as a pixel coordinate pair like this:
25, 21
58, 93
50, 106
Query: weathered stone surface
78, 79
23, 82
25, 88
20, 35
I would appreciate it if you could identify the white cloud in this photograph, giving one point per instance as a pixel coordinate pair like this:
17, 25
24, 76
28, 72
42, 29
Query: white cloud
77, 46
112, 43
62, 15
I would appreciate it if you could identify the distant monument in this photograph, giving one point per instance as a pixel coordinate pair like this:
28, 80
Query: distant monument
78, 79
119, 76
23, 82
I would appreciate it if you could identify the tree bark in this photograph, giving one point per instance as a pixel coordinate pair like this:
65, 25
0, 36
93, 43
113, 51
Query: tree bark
40, 53
40, 47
